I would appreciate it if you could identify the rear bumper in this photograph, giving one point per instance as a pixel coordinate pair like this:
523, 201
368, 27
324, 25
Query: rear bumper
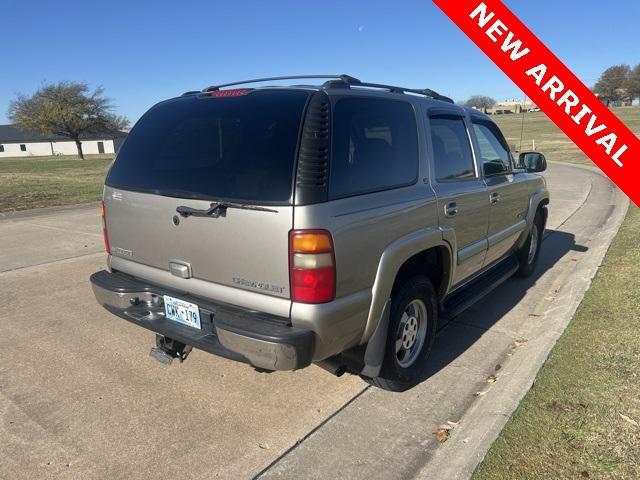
262, 340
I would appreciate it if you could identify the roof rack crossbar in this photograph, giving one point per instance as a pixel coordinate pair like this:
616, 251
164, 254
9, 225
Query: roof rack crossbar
346, 80
214, 88
338, 81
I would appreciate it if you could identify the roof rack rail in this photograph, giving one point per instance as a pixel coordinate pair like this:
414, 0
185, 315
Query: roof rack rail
347, 81
214, 88
337, 81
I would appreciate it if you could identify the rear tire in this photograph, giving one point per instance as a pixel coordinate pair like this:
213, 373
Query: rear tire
529, 253
412, 327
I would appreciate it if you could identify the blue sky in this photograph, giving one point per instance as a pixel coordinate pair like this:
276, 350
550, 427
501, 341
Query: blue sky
143, 52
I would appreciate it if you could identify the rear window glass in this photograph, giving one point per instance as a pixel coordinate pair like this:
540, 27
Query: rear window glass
239, 148
375, 146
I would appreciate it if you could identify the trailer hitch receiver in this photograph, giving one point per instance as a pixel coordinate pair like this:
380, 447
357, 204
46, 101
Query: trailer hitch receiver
167, 349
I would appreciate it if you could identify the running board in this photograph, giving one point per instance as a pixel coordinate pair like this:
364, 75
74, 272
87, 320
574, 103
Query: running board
457, 302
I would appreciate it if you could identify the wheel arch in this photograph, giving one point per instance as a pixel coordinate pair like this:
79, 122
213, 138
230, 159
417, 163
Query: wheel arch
542, 209
423, 252
433, 263
538, 201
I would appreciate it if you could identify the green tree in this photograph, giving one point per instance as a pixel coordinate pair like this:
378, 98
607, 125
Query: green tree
67, 108
633, 85
613, 83
481, 102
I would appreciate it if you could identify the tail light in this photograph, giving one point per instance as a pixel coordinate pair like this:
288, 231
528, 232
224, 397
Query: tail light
105, 234
312, 266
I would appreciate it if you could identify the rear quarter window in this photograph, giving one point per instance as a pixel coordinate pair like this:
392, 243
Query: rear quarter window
238, 148
374, 146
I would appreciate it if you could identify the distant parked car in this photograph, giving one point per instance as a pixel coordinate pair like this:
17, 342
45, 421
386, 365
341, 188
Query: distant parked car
534, 110
339, 224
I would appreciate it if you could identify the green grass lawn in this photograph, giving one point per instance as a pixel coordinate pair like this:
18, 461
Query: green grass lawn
581, 419
33, 182
549, 139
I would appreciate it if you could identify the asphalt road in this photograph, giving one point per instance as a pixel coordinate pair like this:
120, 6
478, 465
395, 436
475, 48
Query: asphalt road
81, 398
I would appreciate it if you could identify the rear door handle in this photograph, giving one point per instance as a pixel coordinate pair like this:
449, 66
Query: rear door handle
494, 198
451, 209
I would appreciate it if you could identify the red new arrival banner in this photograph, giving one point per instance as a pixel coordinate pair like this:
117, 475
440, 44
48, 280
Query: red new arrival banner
551, 85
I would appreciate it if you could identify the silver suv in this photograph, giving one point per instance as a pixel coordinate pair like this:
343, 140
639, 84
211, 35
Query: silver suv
339, 224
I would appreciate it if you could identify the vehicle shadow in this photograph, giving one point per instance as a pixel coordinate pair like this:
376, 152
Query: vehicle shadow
452, 340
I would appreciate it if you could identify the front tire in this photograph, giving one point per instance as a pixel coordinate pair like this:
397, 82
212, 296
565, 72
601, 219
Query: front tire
412, 327
530, 252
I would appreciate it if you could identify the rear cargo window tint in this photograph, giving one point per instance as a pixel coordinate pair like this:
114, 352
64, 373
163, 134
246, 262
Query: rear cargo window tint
375, 146
240, 148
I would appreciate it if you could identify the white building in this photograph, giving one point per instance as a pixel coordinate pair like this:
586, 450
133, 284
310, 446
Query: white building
513, 106
19, 143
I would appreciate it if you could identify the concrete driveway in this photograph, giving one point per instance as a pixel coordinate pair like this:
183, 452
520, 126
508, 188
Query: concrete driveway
81, 398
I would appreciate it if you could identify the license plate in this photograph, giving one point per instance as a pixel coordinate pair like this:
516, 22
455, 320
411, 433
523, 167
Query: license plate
182, 312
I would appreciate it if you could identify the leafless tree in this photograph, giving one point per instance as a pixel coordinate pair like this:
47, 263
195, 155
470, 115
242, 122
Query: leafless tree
613, 83
68, 109
633, 85
481, 102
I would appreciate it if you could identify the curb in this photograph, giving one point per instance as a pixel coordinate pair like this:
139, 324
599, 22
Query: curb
484, 420
37, 212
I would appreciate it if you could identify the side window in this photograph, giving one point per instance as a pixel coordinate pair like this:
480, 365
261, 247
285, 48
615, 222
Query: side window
374, 146
494, 152
451, 149
23, 147
1, 148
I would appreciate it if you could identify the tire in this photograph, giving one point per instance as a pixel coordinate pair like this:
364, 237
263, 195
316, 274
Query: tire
529, 253
412, 327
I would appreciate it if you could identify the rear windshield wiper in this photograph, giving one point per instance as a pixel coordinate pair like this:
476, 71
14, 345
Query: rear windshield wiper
218, 209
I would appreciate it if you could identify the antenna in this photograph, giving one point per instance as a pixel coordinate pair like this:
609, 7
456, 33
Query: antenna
522, 127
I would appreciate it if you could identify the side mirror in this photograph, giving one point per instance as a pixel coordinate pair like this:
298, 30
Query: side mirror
532, 162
